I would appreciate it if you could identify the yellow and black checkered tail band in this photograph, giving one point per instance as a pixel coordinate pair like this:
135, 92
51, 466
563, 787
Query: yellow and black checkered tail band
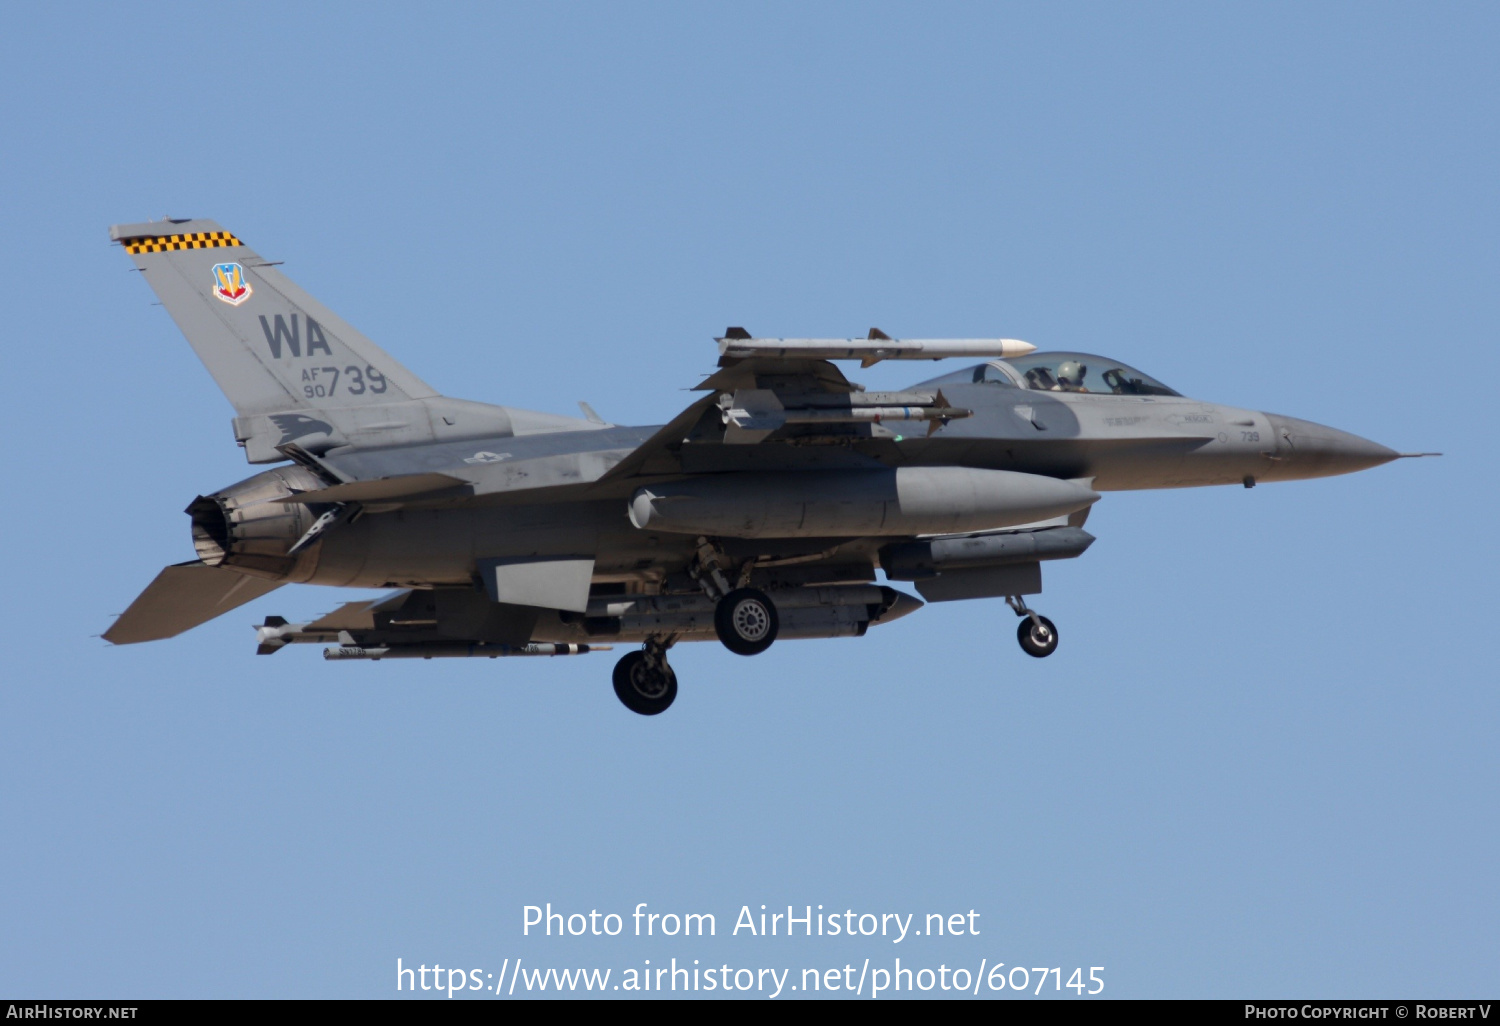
194, 240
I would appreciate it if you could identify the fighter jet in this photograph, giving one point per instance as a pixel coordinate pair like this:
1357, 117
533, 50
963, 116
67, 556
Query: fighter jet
768, 509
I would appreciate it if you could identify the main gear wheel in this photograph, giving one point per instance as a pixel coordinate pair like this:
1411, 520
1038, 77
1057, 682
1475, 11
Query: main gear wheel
645, 683
1037, 635
746, 621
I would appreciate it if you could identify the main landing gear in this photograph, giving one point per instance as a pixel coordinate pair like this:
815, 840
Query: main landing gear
1036, 633
643, 679
746, 621
745, 618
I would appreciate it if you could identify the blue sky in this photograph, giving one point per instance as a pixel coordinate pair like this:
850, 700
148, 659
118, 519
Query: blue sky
1262, 761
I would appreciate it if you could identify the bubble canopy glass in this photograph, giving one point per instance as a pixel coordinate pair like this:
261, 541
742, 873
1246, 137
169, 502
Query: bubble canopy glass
1059, 372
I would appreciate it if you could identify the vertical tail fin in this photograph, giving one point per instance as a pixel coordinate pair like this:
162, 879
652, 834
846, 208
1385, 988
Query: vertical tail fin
293, 369
270, 346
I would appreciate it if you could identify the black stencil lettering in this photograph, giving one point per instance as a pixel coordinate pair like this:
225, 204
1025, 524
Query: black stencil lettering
315, 340
281, 334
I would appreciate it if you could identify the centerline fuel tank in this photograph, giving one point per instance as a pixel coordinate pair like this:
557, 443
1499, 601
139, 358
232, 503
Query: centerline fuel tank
902, 501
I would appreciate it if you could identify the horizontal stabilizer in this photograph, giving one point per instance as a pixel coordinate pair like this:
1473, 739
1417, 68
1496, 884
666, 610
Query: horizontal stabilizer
384, 489
182, 597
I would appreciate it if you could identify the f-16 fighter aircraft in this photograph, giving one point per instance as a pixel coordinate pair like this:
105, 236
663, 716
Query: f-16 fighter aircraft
760, 512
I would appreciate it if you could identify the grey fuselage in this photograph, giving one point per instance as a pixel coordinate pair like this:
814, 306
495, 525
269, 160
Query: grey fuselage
786, 487
547, 495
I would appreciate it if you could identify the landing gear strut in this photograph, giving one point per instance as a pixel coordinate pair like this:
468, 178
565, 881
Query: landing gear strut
1036, 633
644, 681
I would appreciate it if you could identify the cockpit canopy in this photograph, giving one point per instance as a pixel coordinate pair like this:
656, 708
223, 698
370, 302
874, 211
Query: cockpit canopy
1059, 372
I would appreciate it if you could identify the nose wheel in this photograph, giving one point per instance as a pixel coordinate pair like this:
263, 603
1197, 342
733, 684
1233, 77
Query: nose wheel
1036, 633
643, 680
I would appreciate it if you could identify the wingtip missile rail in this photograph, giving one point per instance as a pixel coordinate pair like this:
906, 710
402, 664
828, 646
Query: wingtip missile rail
739, 346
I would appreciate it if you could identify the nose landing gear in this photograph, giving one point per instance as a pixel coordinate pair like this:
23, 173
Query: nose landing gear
644, 681
1036, 633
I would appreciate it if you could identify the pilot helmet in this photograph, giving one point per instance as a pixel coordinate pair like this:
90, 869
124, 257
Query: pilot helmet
1070, 374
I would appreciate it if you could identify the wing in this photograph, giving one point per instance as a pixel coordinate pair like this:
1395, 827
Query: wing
659, 453
785, 389
182, 597
765, 389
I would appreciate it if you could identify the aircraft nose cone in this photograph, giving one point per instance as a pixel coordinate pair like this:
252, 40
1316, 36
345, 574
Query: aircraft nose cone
1315, 450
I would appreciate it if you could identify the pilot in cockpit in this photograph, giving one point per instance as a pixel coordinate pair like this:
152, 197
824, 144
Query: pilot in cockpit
1070, 375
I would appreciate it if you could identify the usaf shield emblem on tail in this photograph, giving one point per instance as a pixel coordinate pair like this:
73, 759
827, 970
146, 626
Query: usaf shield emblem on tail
230, 284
